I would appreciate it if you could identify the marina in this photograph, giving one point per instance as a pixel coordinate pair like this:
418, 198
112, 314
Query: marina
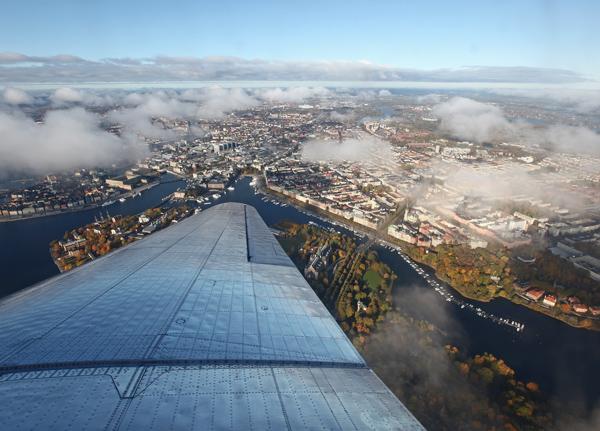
445, 293
437, 285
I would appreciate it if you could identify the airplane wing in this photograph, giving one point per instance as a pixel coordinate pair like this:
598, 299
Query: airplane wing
204, 325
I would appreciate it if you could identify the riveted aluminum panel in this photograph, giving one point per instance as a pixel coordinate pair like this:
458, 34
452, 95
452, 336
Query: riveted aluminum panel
194, 327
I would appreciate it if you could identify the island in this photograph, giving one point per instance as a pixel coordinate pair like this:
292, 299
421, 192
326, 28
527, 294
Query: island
86, 243
540, 281
434, 379
351, 280
533, 274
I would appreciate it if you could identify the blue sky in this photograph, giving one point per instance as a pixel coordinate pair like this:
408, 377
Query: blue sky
408, 34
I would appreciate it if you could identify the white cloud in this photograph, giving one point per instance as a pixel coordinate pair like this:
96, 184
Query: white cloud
17, 68
497, 182
16, 58
578, 99
481, 122
472, 120
292, 94
341, 116
429, 99
510, 181
15, 96
146, 107
350, 150
66, 95
215, 102
66, 139
570, 139
206, 103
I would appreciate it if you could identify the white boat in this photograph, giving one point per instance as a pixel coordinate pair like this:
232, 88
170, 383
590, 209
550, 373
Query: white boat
231, 188
216, 196
107, 203
121, 200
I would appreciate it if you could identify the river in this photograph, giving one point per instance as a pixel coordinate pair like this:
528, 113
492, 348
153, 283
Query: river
24, 244
562, 359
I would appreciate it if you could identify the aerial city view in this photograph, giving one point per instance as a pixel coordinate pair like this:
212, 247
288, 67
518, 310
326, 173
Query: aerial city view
333, 215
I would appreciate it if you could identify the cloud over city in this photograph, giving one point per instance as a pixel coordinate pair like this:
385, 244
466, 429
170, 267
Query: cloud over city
15, 96
480, 122
472, 120
348, 150
67, 139
70, 134
578, 99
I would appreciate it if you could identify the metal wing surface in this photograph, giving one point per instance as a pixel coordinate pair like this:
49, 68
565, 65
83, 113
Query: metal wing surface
204, 325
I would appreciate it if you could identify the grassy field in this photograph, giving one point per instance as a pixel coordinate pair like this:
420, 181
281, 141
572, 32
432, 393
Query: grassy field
373, 279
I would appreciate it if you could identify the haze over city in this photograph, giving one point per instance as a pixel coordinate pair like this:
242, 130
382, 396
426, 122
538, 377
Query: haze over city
241, 201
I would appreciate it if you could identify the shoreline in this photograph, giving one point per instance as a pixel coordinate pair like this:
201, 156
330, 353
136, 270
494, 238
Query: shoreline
49, 214
520, 301
125, 195
367, 231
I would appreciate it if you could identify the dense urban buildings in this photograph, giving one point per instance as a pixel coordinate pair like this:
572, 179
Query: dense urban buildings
383, 162
504, 215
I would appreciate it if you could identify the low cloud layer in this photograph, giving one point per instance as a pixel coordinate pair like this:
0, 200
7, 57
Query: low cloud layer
71, 136
216, 102
68, 96
496, 183
210, 103
342, 117
481, 122
292, 94
472, 120
136, 111
19, 67
350, 150
15, 96
580, 100
140, 110
569, 139
67, 139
